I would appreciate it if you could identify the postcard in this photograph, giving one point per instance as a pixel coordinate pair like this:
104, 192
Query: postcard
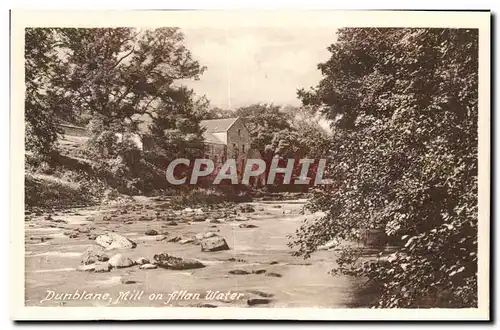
271, 165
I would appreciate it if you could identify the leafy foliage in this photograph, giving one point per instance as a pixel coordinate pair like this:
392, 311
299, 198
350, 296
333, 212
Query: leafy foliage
111, 79
43, 74
403, 106
264, 121
216, 113
285, 133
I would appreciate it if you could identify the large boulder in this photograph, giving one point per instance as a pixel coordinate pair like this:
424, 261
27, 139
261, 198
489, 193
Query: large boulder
215, 243
93, 254
119, 261
111, 241
164, 260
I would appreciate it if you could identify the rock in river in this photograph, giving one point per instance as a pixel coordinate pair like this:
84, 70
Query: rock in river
151, 232
258, 301
210, 234
175, 239
201, 236
215, 243
247, 225
148, 266
246, 209
239, 272
98, 267
199, 218
261, 293
142, 261
273, 274
164, 260
94, 254
186, 241
119, 261
111, 241
92, 236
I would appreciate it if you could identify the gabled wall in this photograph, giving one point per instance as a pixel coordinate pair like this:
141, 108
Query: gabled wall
216, 153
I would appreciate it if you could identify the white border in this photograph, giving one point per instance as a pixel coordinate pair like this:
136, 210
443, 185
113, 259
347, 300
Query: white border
324, 19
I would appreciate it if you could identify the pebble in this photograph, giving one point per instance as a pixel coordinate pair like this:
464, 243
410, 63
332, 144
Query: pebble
148, 266
239, 272
274, 275
258, 301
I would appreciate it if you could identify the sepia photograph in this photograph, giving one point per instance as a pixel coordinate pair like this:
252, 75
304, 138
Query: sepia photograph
190, 164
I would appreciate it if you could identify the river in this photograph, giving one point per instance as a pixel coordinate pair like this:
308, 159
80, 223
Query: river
52, 256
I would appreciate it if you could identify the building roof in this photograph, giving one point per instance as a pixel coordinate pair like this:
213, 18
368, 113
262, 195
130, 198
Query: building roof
216, 126
210, 138
210, 126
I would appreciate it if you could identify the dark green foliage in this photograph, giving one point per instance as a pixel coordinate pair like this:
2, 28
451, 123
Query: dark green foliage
403, 159
122, 83
44, 91
286, 133
264, 121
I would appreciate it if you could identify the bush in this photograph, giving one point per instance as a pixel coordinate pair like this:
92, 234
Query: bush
403, 103
49, 192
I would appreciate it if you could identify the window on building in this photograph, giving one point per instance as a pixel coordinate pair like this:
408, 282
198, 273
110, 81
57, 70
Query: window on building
243, 148
239, 132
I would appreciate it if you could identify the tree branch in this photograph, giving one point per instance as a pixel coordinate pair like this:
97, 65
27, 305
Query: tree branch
123, 57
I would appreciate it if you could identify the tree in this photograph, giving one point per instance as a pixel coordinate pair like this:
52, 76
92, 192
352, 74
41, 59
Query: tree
217, 113
263, 121
43, 81
403, 103
117, 75
119, 72
285, 132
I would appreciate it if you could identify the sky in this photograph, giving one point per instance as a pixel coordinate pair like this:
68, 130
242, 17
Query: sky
257, 65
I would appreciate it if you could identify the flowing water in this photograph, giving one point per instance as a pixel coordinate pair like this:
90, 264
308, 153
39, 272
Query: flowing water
51, 263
